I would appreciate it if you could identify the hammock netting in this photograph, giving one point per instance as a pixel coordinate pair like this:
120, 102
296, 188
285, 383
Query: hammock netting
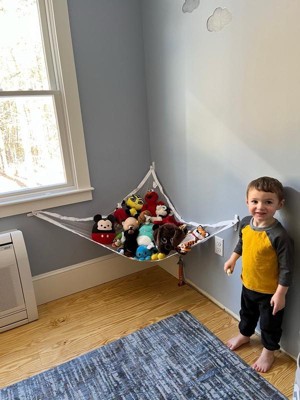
83, 226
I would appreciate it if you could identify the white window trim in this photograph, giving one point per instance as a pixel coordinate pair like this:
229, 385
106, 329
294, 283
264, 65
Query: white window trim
82, 190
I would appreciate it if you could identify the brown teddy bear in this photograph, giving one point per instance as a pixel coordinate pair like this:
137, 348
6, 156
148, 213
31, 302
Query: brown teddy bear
168, 236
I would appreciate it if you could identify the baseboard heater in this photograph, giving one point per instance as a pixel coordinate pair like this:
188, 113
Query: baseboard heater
17, 298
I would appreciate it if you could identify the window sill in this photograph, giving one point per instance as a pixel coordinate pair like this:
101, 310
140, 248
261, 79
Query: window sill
41, 201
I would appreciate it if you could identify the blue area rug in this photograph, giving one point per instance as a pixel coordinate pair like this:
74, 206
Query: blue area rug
176, 358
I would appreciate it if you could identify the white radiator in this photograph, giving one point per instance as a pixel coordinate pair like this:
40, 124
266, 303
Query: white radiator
17, 298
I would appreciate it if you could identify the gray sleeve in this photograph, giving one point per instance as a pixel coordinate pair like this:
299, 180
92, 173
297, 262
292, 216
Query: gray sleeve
239, 246
284, 247
285, 254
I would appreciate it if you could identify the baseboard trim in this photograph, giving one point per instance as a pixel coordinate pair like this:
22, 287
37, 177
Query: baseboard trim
212, 299
65, 281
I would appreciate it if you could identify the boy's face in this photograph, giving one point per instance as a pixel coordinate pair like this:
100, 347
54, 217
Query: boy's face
262, 206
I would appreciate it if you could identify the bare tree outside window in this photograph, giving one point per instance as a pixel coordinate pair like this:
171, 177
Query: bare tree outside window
30, 151
43, 161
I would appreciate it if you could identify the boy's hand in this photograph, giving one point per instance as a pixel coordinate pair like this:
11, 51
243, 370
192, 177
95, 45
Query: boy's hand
277, 302
229, 267
230, 263
278, 299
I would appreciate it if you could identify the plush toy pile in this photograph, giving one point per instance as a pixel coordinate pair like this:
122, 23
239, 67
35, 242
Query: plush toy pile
145, 229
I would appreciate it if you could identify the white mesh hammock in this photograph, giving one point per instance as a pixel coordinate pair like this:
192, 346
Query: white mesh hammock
83, 226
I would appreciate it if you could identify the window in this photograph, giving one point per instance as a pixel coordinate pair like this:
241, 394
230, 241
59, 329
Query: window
43, 159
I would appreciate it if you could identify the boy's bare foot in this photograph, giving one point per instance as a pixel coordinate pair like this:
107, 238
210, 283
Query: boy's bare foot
237, 341
265, 361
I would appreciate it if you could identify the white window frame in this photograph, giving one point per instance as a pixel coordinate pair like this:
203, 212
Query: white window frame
58, 46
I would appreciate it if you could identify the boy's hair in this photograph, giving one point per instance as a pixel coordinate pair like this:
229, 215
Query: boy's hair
267, 184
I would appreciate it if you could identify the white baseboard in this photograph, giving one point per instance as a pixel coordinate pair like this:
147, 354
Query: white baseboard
65, 281
212, 299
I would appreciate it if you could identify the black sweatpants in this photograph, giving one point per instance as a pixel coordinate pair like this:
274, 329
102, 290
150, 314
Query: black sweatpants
256, 305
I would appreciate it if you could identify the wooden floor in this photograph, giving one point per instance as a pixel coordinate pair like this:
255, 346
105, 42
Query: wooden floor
84, 321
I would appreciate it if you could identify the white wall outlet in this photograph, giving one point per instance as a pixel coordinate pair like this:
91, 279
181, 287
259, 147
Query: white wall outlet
219, 246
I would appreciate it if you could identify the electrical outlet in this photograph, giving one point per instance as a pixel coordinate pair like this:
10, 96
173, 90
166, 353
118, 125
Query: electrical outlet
219, 246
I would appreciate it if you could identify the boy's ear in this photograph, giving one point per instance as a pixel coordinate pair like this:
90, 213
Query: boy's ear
281, 204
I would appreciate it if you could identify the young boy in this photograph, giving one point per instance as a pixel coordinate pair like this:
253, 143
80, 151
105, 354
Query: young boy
267, 261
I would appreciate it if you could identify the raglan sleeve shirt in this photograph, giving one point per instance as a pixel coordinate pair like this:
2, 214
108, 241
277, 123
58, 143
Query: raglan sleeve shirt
267, 256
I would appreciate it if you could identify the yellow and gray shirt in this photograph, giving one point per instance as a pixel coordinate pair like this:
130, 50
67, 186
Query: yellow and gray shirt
267, 256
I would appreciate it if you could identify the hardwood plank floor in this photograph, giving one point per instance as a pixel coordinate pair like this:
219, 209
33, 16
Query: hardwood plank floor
75, 324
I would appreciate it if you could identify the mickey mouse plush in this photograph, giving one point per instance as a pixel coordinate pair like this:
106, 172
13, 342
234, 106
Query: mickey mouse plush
103, 229
164, 215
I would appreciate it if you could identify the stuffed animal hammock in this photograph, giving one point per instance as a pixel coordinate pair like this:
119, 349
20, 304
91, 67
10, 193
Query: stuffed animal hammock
157, 214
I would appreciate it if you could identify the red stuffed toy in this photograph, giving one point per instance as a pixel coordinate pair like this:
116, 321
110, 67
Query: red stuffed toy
103, 229
164, 215
151, 201
121, 213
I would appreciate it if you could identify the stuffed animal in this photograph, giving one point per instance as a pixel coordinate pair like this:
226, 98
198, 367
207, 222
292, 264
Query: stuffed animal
170, 219
164, 215
144, 217
130, 233
161, 211
168, 236
134, 205
158, 256
151, 201
121, 213
143, 253
103, 230
191, 238
145, 236
117, 242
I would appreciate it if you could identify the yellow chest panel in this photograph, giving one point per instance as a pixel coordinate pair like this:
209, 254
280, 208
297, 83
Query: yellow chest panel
259, 262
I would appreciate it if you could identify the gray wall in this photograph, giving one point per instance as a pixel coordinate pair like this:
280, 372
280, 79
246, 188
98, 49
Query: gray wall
109, 57
224, 109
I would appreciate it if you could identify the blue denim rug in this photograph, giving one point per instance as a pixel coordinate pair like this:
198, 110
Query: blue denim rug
176, 358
